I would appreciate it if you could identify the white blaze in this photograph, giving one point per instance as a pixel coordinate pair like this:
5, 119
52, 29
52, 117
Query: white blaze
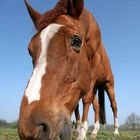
33, 90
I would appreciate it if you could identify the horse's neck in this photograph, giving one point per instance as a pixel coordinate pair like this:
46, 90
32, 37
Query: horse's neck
92, 33
93, 36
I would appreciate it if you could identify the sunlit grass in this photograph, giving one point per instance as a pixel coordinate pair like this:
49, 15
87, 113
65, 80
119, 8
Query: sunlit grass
124, 135
11, 134
8, 134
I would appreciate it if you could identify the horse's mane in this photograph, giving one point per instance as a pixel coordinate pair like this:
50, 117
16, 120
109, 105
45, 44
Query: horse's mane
50, 16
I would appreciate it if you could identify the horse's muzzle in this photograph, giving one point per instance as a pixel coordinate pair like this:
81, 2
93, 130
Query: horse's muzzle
44, 132
66, 133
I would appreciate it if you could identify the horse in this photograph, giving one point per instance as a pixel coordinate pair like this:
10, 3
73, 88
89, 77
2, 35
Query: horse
103, 81
62, 52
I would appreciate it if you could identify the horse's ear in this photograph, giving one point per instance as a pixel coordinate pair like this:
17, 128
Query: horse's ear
34, 14
75, 8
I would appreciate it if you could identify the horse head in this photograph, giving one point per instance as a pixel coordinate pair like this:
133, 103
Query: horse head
61, 72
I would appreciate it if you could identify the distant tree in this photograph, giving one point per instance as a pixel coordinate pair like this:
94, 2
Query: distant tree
13, 124
107, 127
91, 127
3, 123
132, 121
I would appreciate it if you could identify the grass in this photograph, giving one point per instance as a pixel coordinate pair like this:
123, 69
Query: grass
8, 134
124, 135
11, 134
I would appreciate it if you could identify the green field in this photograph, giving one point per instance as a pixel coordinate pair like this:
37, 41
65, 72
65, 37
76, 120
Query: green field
11, 134
124, 135
8, 134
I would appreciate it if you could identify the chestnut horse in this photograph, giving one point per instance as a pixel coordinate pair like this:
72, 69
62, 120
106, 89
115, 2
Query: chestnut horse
63, 52
103, 81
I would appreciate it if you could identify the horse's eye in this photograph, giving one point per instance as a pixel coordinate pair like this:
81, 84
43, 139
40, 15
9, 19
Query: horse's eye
76, 42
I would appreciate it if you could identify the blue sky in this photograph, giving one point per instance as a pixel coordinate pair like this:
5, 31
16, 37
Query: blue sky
119, 22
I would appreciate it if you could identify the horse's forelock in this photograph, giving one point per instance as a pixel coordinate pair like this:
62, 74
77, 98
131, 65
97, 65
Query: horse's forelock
49, 16
73, 8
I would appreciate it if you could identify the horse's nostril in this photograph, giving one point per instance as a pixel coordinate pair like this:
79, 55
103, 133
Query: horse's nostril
43, 127
44, 131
